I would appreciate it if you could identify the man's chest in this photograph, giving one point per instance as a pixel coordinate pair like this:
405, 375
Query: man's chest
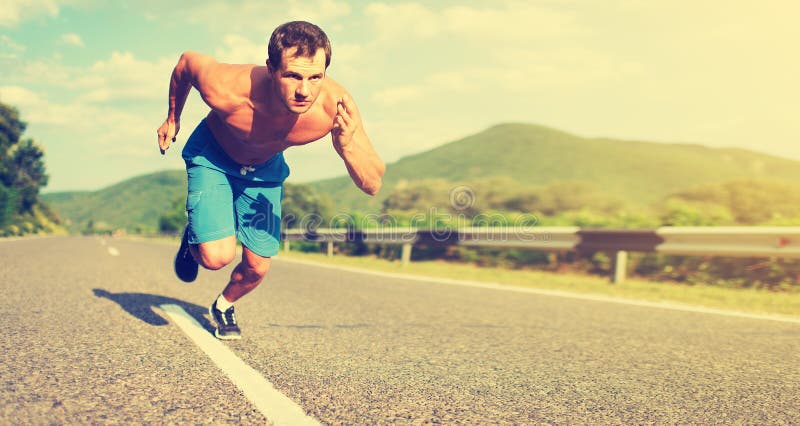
262, 130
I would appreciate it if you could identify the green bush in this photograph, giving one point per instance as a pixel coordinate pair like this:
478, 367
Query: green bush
765, 273
174, 220
11, 231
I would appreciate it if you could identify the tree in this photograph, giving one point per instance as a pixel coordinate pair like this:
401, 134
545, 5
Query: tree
27, 173
749, 202
679, 212
303, 206
418, 196
174, 220
8, 203
11, 128
22, 175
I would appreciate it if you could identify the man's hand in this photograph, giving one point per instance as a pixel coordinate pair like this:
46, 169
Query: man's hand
167, 133
352, 144
345, 124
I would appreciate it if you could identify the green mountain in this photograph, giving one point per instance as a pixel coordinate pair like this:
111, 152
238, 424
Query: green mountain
639, 172
134, 203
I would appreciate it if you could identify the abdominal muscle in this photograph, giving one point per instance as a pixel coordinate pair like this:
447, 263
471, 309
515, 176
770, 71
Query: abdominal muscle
242, 151
250, 149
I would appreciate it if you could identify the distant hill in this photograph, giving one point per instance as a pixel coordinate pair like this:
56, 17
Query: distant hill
639, 172
136, 202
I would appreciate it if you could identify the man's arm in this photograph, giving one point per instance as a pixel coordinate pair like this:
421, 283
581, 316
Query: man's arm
351, 142
192, 70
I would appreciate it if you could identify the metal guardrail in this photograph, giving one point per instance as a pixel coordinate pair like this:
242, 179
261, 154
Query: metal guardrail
775, 241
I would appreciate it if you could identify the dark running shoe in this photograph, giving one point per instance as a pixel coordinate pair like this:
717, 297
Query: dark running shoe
185, 265
226, 323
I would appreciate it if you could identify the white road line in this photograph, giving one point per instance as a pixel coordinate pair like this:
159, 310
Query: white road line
557, 293
113, 251
269, 401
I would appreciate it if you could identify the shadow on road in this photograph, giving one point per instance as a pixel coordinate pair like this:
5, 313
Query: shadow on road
140, 305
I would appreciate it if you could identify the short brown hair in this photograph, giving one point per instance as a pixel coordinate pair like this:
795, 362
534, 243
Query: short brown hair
305, 36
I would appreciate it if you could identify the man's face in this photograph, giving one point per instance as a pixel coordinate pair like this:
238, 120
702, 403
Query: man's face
299, 79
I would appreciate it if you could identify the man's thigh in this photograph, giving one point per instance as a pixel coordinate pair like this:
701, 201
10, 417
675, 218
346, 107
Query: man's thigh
209, 205
258, 213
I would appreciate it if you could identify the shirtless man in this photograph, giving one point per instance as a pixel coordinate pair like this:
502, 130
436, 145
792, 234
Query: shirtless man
234, 157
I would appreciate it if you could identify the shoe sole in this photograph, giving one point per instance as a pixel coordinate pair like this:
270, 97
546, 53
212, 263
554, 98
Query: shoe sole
220, 337
216, 330
188, 281
175, 262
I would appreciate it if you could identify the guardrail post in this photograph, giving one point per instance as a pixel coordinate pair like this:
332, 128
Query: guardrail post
405, 256
286, 245
330, 248
620, 266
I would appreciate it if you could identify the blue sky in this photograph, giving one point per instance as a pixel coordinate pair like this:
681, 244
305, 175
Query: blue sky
91, 77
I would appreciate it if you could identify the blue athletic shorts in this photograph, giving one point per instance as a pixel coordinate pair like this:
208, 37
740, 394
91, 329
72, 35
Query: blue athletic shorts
226, 198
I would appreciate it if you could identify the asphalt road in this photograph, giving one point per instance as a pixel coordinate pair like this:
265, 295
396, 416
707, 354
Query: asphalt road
85, 342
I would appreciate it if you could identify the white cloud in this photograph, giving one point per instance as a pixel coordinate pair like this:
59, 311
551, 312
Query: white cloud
395, 95
16, 95
237, 49
347, 62
347, 52
120, 77
53, 72
72, 39
9, 50
259, 14
36, 108
448, 80
318, 10
559, 68
512, 21
7, 42
78, 116
13, 12
123, 76
517, 73
399, 21
437, 84
90, 127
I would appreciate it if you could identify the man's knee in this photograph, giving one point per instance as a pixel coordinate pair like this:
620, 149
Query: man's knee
255, 264
216, 254
260, 268
215, 262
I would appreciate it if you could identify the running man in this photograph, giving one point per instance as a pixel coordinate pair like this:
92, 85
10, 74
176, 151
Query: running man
234, 157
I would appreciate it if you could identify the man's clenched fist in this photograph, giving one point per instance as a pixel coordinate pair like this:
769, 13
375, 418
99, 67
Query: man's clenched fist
166, 134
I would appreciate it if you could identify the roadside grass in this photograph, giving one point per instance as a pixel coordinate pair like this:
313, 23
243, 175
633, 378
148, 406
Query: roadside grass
741, 300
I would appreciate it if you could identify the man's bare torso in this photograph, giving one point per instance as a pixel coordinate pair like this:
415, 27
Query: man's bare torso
249, 134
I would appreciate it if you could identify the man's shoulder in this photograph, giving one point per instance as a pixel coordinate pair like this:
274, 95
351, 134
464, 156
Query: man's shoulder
235, 78
333, 91
333, 88
226, 86
248, 73
209, 67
